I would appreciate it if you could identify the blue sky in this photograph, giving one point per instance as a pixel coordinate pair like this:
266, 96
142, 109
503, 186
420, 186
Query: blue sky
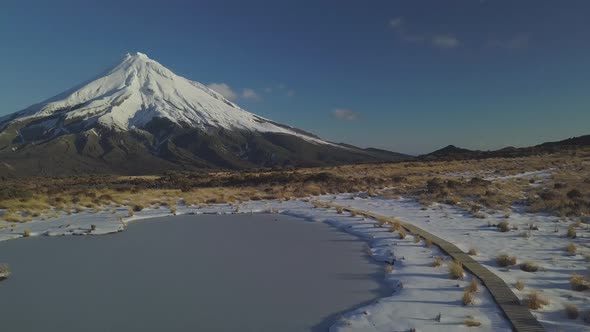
409, 76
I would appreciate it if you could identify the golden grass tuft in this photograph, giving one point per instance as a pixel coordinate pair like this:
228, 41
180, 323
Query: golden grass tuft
529, 266
437, 261
388, 268
402, 233
504, 226
472, 252
579, 283
456, 270
473, 286
468, 297
504, 260
130, 213
26, 232
470, 322
428, 243
571, 232
417, 239
571, 249
571, 311
536, 301
519, 285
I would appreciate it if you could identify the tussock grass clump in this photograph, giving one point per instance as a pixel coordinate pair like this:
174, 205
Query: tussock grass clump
529, 266
388, 268
437, 261
402, 233
4, 271
417, 239
571, 248
505, 260
130, 213
472, 252
536, 301
26, 232
519, 285
137, 207
504, 226
93, 227
571, 232
467, 297
571, 311
428, 243
473, 286
579, 283
456, 270
339, 210
470, 322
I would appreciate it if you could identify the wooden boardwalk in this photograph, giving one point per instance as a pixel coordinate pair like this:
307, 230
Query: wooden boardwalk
520, 317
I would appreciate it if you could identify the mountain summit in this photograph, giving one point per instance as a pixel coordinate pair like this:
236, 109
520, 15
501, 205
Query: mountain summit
140, 117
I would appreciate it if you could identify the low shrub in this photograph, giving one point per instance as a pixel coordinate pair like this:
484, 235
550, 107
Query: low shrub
579, 283
504, 260
535, 301
437, 261
504, 226
571, 232
467, 297
472, 252
571, 311
402, 233
529, 266
26, 232
571, 248
456, 270
470, 322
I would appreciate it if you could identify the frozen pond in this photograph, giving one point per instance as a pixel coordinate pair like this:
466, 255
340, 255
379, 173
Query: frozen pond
258, 272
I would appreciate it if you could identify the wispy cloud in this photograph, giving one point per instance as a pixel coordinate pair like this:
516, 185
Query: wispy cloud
345, 114
445, 41
396, 22
250, 94
224, 89
515, 43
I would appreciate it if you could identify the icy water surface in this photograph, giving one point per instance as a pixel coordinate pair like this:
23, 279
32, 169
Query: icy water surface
256, 272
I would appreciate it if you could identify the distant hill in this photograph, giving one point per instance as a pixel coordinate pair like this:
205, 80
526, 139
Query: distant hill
452, 152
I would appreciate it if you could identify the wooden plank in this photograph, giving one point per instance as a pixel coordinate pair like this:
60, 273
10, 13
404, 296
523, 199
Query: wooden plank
518, 315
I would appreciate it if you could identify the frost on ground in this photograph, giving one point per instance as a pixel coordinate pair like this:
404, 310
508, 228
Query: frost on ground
536, 238
423, 297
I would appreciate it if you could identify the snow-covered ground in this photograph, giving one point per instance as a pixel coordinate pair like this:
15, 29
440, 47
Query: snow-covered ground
423, 297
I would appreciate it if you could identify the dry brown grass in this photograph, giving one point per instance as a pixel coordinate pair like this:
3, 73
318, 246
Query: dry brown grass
571, 249
388, 268
504, 260
529, 266
417, 239
456, 270
26, 232
571, 311
471, 322
473, 286
504, 226
468, 297
536, 301
472, 252
428, 243
571, 232
437, 261
579, 283
519, 285
402, 233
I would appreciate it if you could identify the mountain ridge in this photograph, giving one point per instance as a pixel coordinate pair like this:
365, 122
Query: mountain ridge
139, 117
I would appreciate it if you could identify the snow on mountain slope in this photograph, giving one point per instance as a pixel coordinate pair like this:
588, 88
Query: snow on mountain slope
140, 89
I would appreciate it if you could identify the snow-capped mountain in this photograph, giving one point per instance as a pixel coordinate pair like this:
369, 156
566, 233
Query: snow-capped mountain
141, 109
